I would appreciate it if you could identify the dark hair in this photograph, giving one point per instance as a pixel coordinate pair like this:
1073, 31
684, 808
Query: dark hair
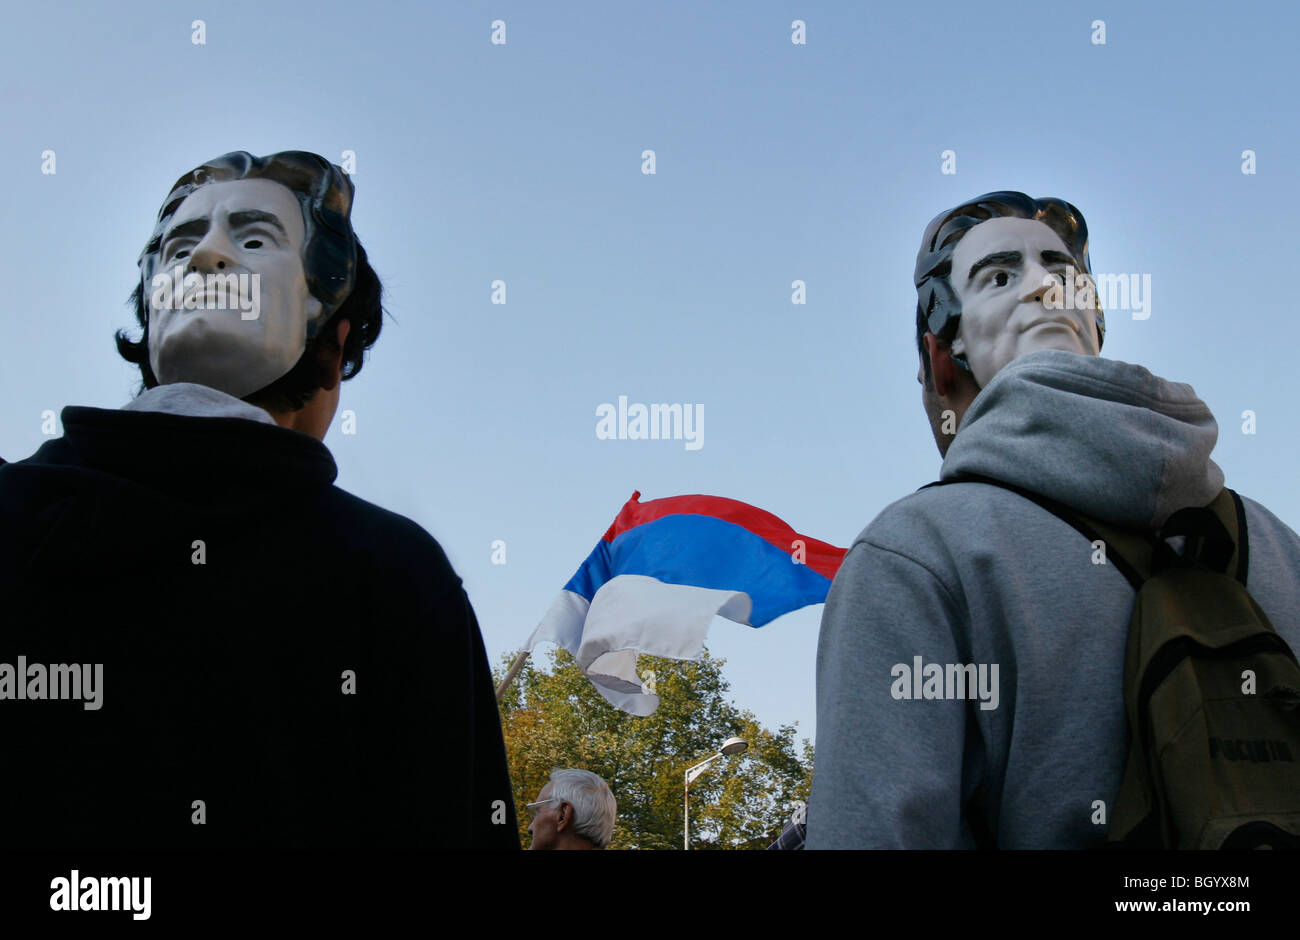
337, 272
938, 310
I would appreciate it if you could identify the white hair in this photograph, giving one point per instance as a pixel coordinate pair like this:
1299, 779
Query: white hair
594, 808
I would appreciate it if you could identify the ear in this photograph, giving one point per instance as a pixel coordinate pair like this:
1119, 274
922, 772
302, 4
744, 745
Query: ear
942, 367
564, 818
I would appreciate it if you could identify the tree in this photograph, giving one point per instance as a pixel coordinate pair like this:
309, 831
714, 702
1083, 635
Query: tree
558, 719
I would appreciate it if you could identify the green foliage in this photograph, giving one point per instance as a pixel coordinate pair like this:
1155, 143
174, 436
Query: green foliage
558, 719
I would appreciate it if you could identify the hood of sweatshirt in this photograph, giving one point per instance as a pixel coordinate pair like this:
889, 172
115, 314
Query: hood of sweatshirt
1105, 437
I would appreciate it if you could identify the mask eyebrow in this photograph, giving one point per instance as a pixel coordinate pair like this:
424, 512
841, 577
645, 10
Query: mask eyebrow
1058, 257
1011, 259
250, 216
196, 227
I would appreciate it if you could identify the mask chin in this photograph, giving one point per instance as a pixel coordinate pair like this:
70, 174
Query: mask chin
221, 348
207, 351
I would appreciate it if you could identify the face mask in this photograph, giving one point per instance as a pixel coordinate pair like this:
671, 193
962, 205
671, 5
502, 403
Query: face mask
229, 305
1010, 276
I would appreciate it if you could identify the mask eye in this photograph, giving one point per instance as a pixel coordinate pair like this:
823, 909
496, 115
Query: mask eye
1001, 279
253, 243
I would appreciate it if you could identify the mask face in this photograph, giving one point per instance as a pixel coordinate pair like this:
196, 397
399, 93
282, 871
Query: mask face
1010, 277
229, 303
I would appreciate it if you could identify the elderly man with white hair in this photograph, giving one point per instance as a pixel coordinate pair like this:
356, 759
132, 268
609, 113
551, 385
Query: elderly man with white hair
575, 810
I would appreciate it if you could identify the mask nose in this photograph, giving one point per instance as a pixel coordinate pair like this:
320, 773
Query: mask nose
1038, 281
215, 252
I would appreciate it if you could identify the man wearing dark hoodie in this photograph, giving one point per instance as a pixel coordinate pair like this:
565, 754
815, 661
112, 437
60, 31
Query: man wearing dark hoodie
205, 642
1018, 753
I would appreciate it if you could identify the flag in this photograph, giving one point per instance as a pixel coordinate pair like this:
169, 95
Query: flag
664, 570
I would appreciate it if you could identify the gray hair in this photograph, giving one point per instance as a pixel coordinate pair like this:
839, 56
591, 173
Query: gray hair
594, 807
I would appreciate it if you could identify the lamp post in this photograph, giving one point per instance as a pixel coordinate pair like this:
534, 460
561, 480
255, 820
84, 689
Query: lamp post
729, 747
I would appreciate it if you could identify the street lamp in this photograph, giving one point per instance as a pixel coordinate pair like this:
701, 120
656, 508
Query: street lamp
729, 747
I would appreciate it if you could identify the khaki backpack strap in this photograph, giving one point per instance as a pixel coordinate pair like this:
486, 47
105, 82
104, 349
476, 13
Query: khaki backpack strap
1127, 549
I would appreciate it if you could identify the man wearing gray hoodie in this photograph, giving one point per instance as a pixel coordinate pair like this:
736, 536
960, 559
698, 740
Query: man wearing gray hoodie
971, 661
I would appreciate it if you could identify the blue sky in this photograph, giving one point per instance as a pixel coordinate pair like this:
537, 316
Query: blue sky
774, 162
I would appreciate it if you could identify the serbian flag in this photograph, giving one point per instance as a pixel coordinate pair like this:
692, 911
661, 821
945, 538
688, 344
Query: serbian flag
664, 570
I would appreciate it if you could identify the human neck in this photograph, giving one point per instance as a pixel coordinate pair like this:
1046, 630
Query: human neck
312, 418
572, 842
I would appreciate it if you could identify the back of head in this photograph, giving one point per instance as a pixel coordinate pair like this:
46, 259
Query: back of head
594, 807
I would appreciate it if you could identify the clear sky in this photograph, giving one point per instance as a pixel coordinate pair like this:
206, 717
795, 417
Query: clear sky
522, 162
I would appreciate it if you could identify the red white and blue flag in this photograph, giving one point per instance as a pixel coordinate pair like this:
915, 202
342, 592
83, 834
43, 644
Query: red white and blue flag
664, 570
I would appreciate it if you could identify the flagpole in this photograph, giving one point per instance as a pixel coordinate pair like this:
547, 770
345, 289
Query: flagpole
514, 671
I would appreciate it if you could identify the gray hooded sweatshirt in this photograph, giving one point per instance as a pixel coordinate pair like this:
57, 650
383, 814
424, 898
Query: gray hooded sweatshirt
1033, 750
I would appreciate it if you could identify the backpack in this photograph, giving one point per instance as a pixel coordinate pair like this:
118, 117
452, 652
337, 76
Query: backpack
1211, 691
